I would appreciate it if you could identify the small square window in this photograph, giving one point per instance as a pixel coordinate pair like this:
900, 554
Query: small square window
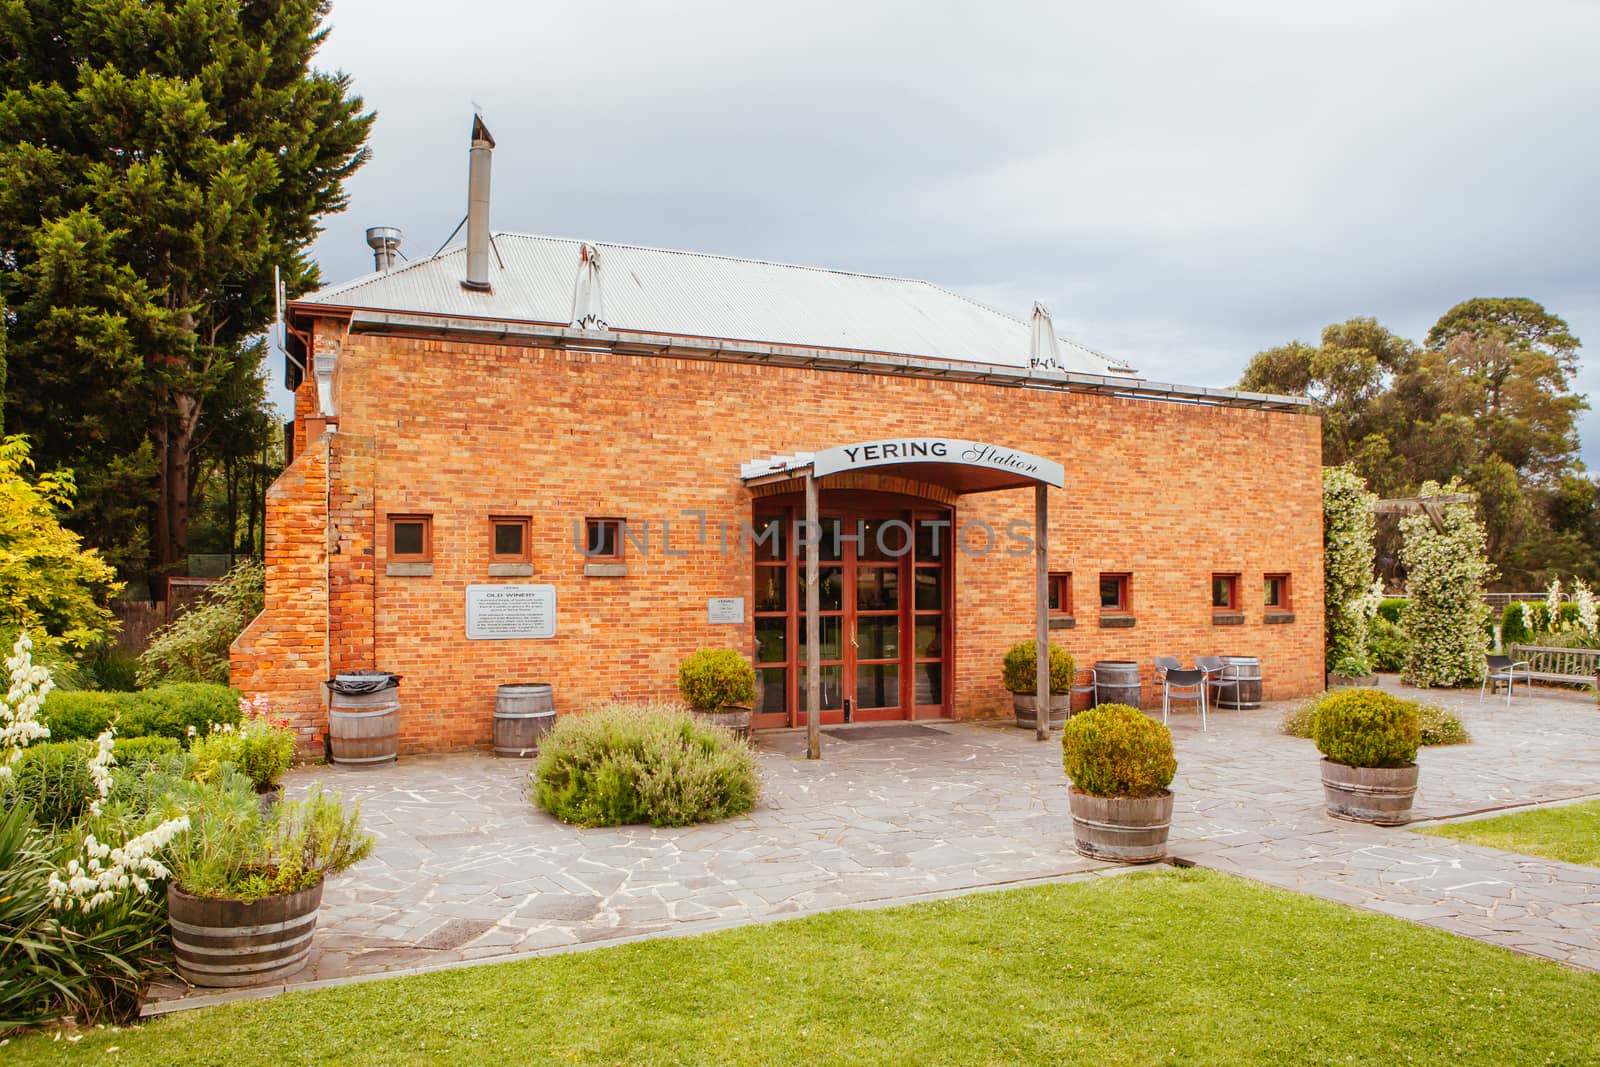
1114, 592
1224, 592
603, 538
509, 539
1060, 589
1277, 592
411, 538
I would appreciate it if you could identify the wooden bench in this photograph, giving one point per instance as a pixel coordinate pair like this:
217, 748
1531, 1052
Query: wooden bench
1572, 665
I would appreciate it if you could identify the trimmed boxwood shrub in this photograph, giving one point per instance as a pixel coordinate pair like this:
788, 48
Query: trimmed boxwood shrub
1019, 670
1114, 750
181, 705
1435, 725
73, 716
715, 677
166, 711
1367, 728
634, 763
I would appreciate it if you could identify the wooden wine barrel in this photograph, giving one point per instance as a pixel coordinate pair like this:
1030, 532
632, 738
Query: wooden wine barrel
1117, 682
224, 943
1120, 829
523, 713
364, 728
1247, 694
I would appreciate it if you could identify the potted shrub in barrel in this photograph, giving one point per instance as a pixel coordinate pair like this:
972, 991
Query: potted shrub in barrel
719, 685
1368, 740
242, 902
1018, 672
261, 748
1120, 762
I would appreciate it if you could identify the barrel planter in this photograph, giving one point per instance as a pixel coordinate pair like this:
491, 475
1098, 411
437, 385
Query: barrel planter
731, 717
1246, 694
364, 728
523, 713
1117, 682
223, 943
1379, 795
1122, 829
1026, 706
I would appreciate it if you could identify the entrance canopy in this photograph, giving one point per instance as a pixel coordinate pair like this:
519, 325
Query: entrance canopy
958, 465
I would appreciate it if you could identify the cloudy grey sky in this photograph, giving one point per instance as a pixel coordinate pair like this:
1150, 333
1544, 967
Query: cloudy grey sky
1183, 184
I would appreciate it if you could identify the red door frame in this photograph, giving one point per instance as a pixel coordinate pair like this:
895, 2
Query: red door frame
848, 507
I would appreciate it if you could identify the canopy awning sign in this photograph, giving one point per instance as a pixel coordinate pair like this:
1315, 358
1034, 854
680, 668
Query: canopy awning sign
1016, 468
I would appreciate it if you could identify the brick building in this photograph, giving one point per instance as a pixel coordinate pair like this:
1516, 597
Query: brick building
532, 459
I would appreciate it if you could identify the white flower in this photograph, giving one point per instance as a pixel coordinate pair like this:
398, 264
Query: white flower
88, 887
1552, 605
1583, 597
100, 765
19, 712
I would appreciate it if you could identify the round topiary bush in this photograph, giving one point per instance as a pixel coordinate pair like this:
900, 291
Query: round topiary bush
632, 763
715, 677
1367, 728
1019, 670
1114, 750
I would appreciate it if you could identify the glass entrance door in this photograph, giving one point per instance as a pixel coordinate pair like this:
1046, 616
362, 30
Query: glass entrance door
884, 615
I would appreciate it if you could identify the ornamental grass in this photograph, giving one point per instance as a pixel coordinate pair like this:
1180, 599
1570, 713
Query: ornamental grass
653, 763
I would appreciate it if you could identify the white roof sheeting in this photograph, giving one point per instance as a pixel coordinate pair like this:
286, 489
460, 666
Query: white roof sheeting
687, 294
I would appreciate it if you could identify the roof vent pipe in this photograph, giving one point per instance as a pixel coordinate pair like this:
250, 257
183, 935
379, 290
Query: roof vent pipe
478, 207
385, 244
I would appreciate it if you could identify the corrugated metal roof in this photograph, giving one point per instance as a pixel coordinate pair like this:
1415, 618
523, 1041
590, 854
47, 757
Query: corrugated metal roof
688, 294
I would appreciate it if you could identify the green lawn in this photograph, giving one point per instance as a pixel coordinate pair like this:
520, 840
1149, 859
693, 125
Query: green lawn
1570, 832
1181, 967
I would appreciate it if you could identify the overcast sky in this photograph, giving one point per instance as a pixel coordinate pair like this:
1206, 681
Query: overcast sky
1183, 184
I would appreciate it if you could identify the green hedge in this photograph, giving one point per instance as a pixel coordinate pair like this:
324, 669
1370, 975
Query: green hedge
53, 778
166, 711
1390, 608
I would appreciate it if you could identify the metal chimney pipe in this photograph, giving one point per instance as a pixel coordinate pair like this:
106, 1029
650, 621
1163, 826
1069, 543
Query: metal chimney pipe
385, 244
478, 207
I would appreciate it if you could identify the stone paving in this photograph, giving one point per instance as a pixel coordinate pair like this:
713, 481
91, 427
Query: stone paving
467, 868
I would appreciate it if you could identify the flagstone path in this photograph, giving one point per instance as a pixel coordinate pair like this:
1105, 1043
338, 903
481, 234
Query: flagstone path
468, 869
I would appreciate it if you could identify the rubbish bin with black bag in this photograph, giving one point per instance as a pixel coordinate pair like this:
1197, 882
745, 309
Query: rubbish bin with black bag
364, 718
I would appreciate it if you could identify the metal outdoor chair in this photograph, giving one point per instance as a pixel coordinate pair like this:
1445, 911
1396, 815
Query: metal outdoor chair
1220, 677
1080, 686
1180, 684
1504, 669
1165, 664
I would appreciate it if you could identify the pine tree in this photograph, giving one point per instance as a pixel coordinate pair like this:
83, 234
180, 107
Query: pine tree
157, 161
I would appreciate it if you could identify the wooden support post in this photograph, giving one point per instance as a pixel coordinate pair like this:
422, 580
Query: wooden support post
813, 624
1041, 592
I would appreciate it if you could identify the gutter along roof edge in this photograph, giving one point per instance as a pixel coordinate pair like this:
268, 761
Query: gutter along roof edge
676, 347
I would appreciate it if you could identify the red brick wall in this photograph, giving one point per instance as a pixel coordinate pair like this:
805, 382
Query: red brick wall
283, 652
1171, 493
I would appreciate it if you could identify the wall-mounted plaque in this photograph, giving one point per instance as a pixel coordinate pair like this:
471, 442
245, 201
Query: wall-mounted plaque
508, 612
724, 609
